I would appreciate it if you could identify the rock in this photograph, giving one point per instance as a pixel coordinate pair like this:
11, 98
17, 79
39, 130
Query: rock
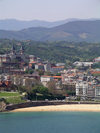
2, 106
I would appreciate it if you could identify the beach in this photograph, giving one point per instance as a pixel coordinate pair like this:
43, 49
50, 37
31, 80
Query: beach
68, 107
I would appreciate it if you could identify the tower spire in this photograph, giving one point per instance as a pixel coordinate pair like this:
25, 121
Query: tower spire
13, 50
21, 49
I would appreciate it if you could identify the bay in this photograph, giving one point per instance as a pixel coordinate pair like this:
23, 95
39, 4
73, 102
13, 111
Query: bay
50, 122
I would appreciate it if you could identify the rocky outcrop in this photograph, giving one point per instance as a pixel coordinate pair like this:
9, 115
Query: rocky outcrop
2, 106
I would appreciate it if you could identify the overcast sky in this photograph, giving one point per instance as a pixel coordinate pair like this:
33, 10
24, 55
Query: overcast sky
50, 10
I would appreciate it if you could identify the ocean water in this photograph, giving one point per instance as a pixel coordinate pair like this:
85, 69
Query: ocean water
50, 122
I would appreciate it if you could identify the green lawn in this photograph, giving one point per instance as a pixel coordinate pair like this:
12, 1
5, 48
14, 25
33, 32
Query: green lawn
9, 94
15, 100
12, 97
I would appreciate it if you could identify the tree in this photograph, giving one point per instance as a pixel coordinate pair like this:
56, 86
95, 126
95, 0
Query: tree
40, 91
51, 87
43, 90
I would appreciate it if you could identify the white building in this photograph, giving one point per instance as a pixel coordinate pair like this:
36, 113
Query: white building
47, 67
60, 64
86, 89
97, 59
46, 79
80, 64
81, 88
97, 91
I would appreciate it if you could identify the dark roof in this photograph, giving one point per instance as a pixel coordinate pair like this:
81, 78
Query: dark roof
22, 48
13, 48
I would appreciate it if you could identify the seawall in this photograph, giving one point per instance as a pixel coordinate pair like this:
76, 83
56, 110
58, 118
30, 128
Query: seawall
43, 103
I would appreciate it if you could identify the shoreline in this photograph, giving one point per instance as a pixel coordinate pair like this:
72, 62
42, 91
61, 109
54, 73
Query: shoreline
62, 108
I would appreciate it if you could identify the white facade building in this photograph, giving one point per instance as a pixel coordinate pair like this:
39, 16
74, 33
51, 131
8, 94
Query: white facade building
46, 79
85, 64
81, 88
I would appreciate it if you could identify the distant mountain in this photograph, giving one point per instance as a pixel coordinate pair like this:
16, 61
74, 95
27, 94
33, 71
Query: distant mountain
71, 31
13, 24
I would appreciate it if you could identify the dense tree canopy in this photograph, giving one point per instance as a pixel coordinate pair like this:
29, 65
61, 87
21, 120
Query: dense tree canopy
61, 51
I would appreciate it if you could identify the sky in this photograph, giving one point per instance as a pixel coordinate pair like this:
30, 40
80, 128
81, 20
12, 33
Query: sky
49, 10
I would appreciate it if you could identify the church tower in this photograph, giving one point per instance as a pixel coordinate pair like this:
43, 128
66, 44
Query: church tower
13, 50
22, 50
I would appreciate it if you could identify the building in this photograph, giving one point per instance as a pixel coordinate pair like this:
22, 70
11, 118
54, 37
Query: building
14, 62
97, 90
39, 66
81, 88
97, 59
5, 80
57, 69
32, 58
45, 79
87, 89
84, 64
47, 67
60, 64
27, 80
4, 58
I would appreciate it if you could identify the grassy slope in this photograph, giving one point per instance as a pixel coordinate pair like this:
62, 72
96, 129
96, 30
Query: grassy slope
12, 98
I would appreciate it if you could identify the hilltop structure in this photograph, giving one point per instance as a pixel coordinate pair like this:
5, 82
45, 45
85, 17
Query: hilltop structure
13, 61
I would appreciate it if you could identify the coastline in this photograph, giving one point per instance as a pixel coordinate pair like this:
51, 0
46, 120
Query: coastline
62, 108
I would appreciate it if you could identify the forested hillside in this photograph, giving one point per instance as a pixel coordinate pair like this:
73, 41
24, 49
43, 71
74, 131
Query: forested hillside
55, 51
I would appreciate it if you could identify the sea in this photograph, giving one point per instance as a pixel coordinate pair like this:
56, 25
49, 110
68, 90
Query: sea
50, 122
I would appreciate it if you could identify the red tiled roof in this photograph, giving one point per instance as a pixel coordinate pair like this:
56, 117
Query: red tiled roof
97, 85
32, 62
58, 67
59, 77
40, 64
95, 72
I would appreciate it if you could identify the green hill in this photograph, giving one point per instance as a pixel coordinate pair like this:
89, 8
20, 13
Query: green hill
72, 31
55, 51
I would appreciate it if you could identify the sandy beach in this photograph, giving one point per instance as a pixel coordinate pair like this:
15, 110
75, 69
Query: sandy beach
70, 107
